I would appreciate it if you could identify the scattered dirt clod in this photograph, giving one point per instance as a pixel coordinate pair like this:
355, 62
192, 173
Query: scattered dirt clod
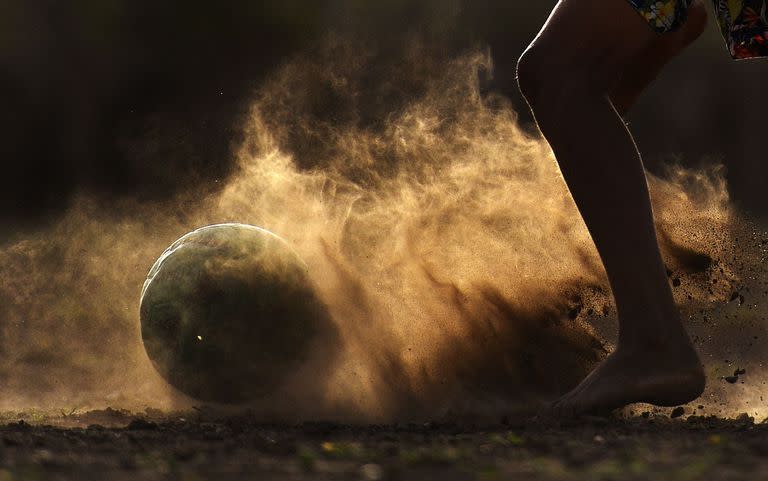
677, 412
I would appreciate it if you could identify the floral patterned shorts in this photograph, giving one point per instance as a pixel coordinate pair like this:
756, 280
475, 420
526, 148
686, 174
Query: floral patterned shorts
743, 23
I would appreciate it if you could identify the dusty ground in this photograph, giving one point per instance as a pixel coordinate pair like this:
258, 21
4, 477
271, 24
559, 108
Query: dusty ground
116, 445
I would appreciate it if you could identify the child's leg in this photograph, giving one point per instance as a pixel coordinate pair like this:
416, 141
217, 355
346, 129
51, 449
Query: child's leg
566, 75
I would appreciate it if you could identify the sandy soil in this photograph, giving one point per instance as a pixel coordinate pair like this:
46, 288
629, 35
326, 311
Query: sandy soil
116, 445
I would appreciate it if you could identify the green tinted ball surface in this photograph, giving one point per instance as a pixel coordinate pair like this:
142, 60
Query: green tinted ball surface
228, 312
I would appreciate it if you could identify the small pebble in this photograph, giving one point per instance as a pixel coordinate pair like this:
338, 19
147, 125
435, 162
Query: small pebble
371, 472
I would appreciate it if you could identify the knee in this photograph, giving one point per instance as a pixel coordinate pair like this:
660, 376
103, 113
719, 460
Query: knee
548, 82
531, 74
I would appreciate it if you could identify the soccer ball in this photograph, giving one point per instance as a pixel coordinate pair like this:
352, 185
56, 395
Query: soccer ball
228, 312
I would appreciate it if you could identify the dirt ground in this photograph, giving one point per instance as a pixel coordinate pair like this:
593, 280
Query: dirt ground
117, 445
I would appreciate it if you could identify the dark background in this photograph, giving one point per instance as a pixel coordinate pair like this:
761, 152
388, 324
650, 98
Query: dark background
143, 99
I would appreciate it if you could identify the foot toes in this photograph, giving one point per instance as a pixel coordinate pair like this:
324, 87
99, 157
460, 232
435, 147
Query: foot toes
569, 410
562, 408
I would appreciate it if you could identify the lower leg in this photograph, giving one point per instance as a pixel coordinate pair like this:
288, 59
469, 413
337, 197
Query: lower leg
605, 175
654, 361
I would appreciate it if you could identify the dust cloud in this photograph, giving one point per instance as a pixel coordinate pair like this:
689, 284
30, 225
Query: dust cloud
437, 230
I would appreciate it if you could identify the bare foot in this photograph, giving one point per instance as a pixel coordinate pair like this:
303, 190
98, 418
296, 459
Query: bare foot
664, 376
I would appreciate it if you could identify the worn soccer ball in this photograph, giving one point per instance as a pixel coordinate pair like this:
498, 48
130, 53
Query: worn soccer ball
228, 313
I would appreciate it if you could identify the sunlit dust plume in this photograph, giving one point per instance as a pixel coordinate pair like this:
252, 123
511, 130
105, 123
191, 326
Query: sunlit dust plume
438, 232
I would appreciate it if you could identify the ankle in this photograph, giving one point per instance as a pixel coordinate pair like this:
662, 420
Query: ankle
674, 342
658, 331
